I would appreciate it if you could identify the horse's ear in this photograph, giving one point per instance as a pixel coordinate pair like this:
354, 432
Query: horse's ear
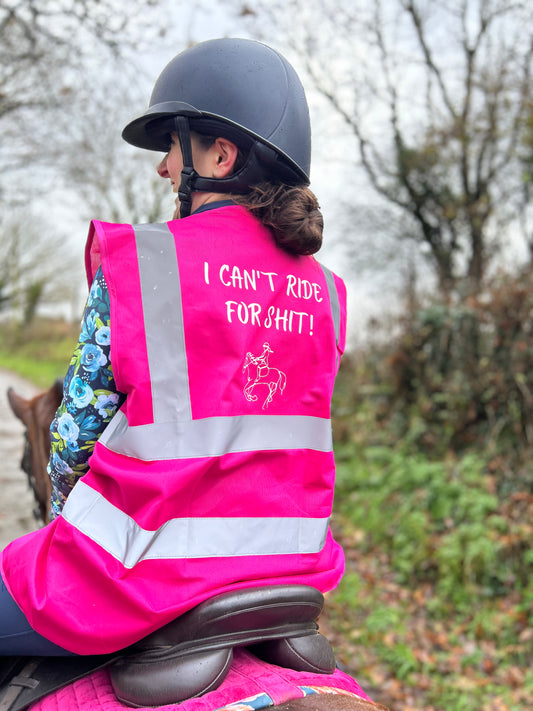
19, 405
46, 405
57, 391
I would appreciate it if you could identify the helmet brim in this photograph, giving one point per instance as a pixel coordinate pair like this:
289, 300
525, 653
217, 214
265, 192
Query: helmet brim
147, 132
151, 132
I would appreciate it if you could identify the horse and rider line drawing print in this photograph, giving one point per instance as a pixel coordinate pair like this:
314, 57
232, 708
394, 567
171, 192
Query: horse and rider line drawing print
260, 373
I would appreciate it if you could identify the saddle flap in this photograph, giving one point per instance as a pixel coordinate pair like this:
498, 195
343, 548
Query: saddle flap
312, 653
140, 682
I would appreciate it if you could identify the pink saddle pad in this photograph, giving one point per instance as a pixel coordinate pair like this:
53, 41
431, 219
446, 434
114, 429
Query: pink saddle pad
251, 684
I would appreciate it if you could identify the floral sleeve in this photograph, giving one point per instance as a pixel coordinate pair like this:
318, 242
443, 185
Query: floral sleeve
90, 398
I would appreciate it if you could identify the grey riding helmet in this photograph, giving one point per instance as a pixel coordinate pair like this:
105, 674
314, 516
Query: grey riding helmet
238, 89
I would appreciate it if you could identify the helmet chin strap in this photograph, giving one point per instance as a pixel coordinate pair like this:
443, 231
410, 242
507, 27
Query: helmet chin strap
188, 173
261, 161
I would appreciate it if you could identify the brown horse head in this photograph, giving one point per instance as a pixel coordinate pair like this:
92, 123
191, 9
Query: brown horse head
37, 415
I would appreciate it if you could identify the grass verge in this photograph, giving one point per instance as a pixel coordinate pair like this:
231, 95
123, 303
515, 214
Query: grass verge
40, 352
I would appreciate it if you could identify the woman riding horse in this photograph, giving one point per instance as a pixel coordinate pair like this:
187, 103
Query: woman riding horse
170, 484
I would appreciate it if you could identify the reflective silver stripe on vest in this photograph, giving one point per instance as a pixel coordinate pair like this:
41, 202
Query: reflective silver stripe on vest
179, 538
163, 321
215, 436
334, 301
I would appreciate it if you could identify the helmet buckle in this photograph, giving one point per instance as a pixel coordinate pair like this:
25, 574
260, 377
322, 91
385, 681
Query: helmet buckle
188, 174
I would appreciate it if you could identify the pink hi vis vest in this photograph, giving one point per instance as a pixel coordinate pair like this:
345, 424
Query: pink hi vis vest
217, 473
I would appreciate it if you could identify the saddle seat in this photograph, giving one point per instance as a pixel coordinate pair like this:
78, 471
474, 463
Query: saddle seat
192, 654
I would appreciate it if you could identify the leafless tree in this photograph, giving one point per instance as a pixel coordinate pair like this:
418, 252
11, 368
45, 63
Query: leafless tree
38, 35
435, 94
526, 157
35, 265
47, 49
51, 118
100, 174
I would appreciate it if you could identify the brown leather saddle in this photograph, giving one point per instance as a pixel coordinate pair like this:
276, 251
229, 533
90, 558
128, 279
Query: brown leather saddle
191, 655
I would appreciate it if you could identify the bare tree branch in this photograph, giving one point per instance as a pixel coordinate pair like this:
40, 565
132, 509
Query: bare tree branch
450, 86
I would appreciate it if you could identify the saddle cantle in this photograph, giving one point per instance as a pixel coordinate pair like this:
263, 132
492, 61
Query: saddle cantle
192, 654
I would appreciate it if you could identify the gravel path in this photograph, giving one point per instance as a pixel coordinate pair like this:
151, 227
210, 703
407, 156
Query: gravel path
16, 500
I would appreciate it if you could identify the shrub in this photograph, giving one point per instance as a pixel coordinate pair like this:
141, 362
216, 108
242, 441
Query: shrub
467, 371
438, 521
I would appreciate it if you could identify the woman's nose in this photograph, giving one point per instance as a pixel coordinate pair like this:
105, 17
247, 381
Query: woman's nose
162, 168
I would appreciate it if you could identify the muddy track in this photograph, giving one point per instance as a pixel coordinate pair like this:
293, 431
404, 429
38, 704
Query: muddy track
16, 500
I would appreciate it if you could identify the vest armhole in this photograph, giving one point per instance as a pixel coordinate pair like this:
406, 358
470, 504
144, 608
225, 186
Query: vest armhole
93, 257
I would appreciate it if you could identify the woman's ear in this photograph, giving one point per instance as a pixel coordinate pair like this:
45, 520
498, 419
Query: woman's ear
225, 157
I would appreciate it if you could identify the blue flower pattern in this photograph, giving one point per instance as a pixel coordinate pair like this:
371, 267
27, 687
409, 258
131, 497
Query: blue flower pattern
103, 336
81, 393
92, 357
90, 398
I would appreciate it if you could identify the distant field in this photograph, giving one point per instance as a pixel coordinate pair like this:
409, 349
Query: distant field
40, 352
